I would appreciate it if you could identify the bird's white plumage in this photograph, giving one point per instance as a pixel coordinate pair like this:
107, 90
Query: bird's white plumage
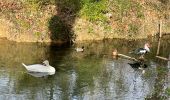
142, 51
80, 49
46, 68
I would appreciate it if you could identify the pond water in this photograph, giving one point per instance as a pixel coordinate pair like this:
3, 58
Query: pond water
90, 75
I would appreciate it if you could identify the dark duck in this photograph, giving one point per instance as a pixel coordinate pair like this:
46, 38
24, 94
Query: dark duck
138, 65
142, 51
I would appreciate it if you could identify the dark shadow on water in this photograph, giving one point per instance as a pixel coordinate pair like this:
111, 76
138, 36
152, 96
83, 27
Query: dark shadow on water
60, 26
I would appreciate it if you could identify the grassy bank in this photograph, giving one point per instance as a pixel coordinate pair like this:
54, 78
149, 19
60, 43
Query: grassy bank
67, 20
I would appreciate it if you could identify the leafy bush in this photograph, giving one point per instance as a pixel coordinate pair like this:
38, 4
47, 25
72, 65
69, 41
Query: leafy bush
58, 29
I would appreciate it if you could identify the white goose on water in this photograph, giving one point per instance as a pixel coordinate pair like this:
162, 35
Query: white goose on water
45, 68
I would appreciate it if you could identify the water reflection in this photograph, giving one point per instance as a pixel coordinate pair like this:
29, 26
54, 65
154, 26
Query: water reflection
37, 74
89, 75
138, 65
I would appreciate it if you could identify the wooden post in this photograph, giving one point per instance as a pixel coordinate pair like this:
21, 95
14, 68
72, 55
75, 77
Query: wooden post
169, 62
158, 48
160, 28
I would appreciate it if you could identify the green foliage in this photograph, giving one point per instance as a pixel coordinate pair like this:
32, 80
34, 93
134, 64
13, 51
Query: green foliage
37, 4
58, 29
107, 28
90, 30
32, 4
167, 91
139, 11
125, 7
133, 28
121, 7
38, 34
71, 6
94, 10
23, 23
120, 31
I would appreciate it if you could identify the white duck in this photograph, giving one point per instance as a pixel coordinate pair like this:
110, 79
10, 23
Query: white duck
80, 49
46, 68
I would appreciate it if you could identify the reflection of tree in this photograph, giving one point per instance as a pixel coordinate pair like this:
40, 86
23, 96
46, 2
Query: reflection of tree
162, 71
111, 81
164, 48
159, 87
13, 54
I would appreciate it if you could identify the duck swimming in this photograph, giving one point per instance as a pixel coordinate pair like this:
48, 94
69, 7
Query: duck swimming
80, 49
45, 68
115, 53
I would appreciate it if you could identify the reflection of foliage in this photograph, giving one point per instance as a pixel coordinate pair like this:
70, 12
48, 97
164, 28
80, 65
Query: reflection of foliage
167, 91
160, 80
27, 82
90, 67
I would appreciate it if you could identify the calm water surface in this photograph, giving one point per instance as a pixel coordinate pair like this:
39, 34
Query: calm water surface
91, 75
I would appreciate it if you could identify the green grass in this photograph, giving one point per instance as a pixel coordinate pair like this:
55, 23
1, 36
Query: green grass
94, 10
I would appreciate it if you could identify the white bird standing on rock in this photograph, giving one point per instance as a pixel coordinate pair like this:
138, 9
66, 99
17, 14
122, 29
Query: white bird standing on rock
45, 68
142, 51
